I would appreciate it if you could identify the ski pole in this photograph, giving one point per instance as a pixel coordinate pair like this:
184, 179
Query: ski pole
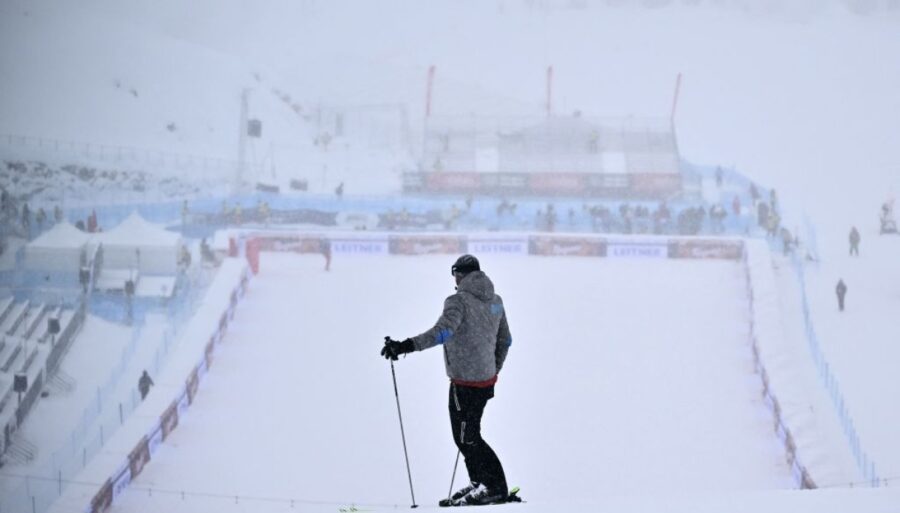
403, 436
453, 477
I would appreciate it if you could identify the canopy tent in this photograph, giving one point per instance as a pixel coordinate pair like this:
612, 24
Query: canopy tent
61, 249
138, 244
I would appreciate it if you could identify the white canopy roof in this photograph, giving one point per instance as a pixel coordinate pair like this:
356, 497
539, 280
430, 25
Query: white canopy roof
62, 236
137, 231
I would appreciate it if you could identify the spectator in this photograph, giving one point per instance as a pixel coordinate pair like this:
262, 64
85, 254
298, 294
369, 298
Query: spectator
57, 214
762, 214
773, 223
84, 278
593, 142
237, 213
144, 384
184, 257
339, 190
551, 217
325, 247
736, 206
854, 241
787, 241
451, 217
92, 222
625, 212
184, 212
717, 216
40, 217
206, 253
888, 223
754, 194
502, 207
841, 290
719, 177
263, 210
26, 220
661, 218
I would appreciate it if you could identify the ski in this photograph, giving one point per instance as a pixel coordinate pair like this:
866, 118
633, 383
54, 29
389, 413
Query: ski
512, 497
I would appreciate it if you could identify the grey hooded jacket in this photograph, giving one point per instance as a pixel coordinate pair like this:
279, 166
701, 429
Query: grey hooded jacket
473, 330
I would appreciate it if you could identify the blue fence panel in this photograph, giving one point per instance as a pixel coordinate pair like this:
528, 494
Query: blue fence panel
864, 462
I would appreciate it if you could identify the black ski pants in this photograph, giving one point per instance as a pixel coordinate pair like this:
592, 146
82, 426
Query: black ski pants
466, 408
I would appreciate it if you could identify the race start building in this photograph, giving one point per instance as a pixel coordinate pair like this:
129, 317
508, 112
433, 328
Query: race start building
554, 155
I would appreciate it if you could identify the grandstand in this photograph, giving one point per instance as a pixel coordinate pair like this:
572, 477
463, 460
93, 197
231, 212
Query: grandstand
33, 338
552, 156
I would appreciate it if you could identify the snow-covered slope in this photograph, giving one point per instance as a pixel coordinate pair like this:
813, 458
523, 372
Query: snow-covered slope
641, 400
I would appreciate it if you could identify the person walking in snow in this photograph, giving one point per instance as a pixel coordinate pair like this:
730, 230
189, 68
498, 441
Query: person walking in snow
144, 384
841, 290
474, 333
854, 241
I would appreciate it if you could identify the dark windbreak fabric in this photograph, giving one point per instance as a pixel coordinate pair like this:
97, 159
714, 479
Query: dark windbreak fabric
473, 330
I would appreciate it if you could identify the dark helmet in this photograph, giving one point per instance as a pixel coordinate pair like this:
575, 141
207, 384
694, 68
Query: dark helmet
464, 265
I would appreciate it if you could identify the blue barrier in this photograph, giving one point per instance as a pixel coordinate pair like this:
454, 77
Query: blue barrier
864, 462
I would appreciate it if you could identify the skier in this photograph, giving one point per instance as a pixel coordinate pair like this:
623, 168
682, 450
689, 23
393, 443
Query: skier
841, 290
144, 384
475, 335
854, 241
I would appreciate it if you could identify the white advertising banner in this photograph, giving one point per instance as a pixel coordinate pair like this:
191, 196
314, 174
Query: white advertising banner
637, 251
154, 439
498, 246
360, 247
123, 480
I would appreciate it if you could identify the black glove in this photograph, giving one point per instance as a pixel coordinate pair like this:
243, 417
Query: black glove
392, 349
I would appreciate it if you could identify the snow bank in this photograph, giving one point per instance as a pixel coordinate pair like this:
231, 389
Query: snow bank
813, 457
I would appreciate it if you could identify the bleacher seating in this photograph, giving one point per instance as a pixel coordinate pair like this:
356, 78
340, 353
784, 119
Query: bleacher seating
13, 318
25, 345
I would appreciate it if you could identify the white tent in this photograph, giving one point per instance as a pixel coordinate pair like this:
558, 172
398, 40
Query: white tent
138, 244
60, 248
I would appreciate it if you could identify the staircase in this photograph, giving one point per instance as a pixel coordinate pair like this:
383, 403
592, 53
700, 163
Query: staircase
20, 450
60, 383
